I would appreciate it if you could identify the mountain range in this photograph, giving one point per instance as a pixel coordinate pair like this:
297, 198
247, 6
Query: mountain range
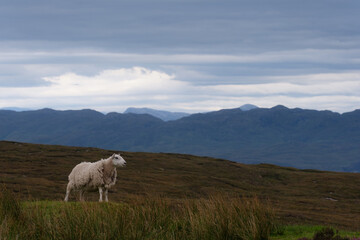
163, 115
169, 116
306, 139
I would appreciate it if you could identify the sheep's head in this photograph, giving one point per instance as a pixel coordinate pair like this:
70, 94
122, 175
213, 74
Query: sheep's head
118, 161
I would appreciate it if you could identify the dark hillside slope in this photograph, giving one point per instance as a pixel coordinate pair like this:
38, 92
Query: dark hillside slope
287, 137
299, 196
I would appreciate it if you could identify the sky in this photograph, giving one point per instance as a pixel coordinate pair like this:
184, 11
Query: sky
189, 56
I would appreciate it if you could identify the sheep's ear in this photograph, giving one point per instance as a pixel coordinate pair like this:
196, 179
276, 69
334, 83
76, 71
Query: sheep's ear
113, 155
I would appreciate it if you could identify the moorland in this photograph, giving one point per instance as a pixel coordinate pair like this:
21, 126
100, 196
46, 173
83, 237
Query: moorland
39, 172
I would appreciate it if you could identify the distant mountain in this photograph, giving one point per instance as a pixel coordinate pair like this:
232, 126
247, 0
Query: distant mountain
163, 115
169, 116
248, 107
287, 137
16, 109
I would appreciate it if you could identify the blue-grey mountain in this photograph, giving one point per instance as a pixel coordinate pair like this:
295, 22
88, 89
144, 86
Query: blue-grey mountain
288, 137
247, 107
163, 115
169, 116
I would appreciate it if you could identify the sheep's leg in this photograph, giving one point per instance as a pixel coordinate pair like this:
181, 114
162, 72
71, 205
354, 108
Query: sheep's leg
68, 190
100, 192
81, 195
106, 195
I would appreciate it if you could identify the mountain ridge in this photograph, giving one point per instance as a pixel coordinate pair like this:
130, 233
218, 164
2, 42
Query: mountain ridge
163, 115
287, 137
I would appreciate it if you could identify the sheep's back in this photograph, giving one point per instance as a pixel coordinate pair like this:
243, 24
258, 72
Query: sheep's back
86, 174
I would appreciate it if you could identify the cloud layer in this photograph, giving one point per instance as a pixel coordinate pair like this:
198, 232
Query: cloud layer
195, 55
117, 89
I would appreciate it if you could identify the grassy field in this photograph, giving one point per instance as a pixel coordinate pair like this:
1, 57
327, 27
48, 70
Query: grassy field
302, 197
145, 218
216, 217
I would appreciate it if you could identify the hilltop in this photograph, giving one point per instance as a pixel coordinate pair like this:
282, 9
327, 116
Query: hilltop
299, 196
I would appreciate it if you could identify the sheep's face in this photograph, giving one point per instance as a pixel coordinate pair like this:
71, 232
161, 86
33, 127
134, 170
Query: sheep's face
118, 161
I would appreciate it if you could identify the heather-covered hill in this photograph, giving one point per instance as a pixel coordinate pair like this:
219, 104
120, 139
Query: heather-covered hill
298, 196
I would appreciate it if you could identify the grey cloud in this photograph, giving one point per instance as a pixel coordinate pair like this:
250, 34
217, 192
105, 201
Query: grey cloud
180, 26
29, 67
204, 42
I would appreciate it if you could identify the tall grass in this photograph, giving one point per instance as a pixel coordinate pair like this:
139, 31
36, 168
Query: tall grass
10, 213
143, 218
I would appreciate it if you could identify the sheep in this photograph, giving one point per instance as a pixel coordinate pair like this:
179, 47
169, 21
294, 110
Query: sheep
87, 176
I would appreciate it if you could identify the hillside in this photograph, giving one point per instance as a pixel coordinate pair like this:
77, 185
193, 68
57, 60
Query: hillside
288, 137
299, 196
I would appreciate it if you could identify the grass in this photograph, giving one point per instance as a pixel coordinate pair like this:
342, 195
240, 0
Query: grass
295, 232
216, 217
300, 197
145, 218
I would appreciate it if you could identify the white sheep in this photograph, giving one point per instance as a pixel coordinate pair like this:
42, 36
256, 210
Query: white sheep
87, 176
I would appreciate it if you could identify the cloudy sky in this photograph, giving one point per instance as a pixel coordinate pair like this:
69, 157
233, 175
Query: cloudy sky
180, 55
